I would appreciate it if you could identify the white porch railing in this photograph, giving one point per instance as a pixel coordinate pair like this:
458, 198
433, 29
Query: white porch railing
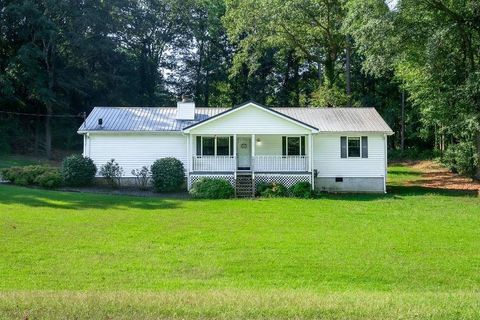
280, 163
214, 163
259, 163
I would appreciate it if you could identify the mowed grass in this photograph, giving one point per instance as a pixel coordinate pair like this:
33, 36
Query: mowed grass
413, 253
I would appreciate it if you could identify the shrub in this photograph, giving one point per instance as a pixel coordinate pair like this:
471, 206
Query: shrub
142, 176
33, 175
112, 172
461, 158
168, 175
261, 187
49, 179
209, 188
78, 171
301, 190
274, 190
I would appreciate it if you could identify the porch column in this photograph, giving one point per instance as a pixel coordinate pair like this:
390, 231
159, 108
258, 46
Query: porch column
235, 154
190, 153
253, 153
310, 159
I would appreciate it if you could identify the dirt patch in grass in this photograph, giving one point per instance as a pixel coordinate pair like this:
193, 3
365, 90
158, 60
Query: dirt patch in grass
434, 175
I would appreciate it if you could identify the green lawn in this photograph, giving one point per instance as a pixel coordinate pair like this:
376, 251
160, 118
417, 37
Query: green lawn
413, 253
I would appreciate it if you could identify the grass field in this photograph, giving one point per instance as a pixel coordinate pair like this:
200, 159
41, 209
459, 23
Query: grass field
411, 254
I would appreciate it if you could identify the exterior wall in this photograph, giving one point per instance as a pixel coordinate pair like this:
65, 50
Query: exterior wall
250, 120
132, 151
365, 184
328, 163
359, 174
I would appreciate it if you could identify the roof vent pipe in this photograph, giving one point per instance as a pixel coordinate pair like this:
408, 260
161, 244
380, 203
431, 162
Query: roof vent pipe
186, 108
100, 122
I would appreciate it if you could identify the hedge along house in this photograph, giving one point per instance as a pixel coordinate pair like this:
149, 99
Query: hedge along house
335, 149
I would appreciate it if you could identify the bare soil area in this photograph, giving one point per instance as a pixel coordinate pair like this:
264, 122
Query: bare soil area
434, 175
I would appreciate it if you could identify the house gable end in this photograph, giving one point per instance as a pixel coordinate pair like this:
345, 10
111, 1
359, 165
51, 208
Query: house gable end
250, 118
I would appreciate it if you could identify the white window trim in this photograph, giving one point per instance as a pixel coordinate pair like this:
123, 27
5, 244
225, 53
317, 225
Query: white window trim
360, 146
215, 146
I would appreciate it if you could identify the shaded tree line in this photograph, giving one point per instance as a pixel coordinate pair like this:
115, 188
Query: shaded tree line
63, 57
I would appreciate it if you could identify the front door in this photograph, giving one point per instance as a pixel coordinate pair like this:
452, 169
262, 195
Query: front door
244, 153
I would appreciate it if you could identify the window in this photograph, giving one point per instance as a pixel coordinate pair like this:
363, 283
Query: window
208, 146
353, 147
214, 146
293, 146
223, 146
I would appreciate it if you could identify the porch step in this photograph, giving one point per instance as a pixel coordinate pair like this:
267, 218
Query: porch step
244, 186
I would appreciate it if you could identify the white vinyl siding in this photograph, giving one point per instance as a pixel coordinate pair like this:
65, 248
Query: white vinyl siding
250, 120
132, 151
328, 162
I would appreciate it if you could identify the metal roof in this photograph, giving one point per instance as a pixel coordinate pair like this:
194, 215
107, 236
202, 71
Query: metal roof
339, 119
139, 119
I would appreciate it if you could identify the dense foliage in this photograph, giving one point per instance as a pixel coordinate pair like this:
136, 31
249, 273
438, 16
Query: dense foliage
168, 175
418, 62
301, 190
210, 188
78, 171
36, 175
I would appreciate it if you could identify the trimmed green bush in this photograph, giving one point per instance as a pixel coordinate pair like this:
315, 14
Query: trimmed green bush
210, 188
49, 179
261, 187
168, 175
274, 190
78, 171
43, 176
301, 190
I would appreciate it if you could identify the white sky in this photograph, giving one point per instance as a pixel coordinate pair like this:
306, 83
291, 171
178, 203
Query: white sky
391, 3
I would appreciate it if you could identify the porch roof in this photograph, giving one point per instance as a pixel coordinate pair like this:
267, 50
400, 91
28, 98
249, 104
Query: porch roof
163, 119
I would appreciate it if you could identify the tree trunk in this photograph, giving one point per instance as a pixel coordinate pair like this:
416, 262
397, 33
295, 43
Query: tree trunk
402, 123
348, 72
37, 133
320, 74
48, 134
477, 175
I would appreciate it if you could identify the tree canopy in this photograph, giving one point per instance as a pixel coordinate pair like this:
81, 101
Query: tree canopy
417, 63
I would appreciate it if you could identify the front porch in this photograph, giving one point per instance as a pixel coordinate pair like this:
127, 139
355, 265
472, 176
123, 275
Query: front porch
251, 153
247, 160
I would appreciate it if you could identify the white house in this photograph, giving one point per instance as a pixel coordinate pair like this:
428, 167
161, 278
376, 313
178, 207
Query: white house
335, 149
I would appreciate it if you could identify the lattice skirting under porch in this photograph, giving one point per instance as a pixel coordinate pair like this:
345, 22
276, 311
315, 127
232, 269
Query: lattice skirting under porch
286, 179
195, 177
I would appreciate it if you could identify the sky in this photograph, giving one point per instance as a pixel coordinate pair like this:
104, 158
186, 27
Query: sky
391, 3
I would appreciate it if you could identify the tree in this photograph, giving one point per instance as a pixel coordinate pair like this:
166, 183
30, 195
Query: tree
432, 46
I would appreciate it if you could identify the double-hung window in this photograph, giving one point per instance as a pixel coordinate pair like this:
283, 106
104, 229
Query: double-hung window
354, 147
293, 146
215, 146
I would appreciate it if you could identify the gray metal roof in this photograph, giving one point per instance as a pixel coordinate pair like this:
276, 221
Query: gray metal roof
163, 119
142, 119
339, 119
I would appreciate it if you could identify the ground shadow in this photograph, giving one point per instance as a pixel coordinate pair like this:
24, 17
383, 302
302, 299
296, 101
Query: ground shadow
80, 201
